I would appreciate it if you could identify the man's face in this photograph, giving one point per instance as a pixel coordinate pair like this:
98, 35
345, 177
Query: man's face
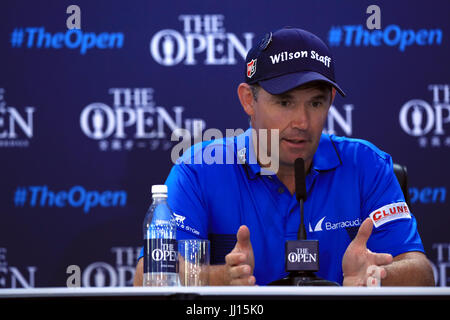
299, 115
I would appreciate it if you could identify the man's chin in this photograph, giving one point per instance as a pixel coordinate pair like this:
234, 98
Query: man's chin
289, 157
290, 161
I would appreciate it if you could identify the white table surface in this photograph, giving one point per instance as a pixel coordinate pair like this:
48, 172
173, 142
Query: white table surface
226, 291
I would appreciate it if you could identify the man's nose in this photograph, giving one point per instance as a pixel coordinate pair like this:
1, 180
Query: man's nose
300, 118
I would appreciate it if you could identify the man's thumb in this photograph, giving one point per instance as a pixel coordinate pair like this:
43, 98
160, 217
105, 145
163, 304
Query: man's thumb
364, 233
243, 237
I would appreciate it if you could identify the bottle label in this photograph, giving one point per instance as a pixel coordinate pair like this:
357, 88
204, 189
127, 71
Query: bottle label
160, 255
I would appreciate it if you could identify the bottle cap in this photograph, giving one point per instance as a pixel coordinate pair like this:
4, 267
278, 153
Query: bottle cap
159, 188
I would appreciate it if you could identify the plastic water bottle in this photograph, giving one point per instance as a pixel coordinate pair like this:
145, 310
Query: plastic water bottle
160, 244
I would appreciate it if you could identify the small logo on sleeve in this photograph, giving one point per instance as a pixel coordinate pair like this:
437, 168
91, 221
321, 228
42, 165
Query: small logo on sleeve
390, 212
179, 219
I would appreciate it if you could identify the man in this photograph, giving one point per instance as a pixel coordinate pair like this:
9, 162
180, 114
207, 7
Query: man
355, 206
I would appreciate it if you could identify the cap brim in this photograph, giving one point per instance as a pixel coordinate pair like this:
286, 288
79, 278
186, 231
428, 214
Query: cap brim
290, 81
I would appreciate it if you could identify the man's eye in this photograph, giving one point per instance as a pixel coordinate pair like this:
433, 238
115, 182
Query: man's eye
316, 104
284, 103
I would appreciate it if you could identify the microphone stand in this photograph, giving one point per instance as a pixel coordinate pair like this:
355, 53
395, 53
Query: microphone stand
306, 278
302, 277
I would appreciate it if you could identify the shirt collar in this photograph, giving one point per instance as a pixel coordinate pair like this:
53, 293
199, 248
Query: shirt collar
326, 157
246, 153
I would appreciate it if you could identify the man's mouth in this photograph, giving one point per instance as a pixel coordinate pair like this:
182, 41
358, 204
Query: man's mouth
295, 142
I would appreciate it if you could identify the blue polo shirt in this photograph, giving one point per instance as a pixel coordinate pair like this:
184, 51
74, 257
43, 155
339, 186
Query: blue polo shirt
349, 181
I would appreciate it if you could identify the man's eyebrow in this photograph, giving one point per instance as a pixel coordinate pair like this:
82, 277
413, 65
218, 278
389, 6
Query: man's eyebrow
320, 97
285, 95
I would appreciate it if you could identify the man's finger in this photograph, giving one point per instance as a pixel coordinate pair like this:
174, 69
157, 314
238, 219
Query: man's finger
364, 233
234, 258
374, 275
373, 282
247, 281
382, 259
243, 237
240, 271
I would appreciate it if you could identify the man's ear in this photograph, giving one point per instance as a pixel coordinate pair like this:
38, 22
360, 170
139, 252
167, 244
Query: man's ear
333, 95
246, 98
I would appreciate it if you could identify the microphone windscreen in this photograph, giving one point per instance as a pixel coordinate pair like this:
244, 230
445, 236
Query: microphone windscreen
300, 185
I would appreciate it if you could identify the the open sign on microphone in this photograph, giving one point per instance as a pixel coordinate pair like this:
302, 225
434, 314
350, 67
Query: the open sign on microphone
302, 255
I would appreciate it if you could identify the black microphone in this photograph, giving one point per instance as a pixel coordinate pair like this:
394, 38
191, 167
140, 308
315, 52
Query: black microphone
300, 193
302, 255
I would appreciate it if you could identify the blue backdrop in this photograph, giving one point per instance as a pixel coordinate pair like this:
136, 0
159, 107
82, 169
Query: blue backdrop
86, 115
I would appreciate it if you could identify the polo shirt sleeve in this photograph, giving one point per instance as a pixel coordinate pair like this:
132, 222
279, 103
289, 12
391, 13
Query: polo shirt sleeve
185, 198
395, 227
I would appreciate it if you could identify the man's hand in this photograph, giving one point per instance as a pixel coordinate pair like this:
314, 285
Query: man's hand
240, 262
238, 268
359, 264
